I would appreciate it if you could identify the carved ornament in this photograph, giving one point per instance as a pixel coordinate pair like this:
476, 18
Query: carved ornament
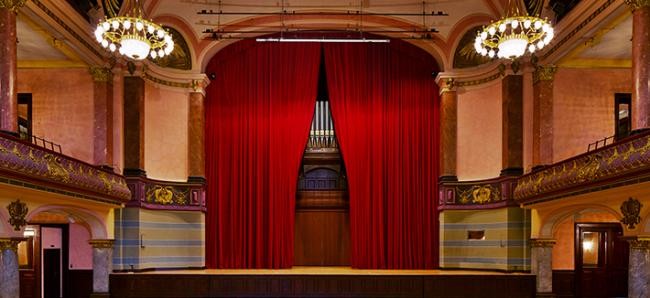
631, 210
542, 242
640, 243
9, 244
165, 195
101, 74
17, 212
479, 194
636, 4
101, 243
12, 5
448, 85
544, 73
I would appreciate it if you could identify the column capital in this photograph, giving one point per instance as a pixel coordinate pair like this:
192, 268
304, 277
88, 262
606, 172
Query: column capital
12, 5
542, 242
447, 85
544, 73
101, 243
198, 85
9, 243
639, 243
101, 74
636, 4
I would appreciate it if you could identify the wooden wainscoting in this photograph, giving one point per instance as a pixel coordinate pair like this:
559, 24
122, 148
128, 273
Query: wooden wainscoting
564, 283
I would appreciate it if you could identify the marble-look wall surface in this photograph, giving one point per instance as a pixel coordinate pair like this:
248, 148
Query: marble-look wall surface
165, 145
639, 271
479, 132
583, 107
9, 278
62, 108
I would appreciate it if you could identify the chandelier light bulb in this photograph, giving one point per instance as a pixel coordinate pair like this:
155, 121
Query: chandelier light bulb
106, 26
150, 29
492, 30
531, 48
538, 24
127, 24
115, 24
154, 54
112, 47
527, 24
502, 27
139, 26
104, 43
514, 24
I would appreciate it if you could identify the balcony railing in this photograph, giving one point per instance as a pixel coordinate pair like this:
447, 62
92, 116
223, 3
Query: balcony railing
481, 194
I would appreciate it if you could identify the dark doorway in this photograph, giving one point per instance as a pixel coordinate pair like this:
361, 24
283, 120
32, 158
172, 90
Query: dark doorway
601, 260
52, 273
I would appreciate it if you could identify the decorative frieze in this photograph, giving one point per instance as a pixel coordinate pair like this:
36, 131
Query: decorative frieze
101, 74
164, 195
544, 73
542, 242
636, 4
484, 194
12, 5
101, 243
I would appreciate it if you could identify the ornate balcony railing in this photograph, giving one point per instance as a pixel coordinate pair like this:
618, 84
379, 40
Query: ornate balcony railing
481, 194
27, 165
622, 163
166, 195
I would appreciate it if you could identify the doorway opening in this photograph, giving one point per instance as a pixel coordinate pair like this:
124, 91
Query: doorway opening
601, 260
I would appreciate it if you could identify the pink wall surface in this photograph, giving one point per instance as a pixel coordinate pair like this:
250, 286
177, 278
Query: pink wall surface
479, 132
564, 248
165, 145
80, 252
62, 108
583, 107
51, 237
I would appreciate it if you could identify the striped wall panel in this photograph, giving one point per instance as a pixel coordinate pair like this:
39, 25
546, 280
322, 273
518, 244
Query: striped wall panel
505, 242
149, 239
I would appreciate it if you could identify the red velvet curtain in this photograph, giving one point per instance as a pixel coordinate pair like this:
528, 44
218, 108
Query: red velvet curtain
258, 113
385, 104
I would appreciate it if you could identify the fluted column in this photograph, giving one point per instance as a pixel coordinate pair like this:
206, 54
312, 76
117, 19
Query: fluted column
640, 63
541, 255
9, 276
134, 126
512, 125
448, 129
543, 115
196, 131
103, 116
638, 279
102, 265
8, 66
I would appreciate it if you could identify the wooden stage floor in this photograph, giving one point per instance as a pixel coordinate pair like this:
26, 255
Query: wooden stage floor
323, 282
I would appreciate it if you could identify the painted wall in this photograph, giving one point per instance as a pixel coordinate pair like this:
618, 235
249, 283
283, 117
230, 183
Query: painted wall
564, 235
62, 107
479, 132
165, 145
583, 107
505, 244
158, 239
80, 253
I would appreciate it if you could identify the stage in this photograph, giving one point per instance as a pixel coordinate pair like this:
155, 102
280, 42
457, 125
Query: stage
323, 282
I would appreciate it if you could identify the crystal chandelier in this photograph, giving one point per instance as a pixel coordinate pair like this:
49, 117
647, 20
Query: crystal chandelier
514, 35
133, 36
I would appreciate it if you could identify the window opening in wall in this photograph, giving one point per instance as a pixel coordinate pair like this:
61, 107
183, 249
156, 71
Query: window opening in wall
25, 116
622, 115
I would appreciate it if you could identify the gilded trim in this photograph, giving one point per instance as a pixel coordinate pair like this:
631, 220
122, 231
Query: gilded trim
636, 4
101, 243
101, 74
640, 243
12, 5
187, 85
479, 81
9, 244
542, 242
544, 73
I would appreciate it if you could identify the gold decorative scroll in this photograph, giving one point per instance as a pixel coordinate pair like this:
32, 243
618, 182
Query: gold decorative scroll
12, 5
544, 73
9, 244
636, 4
101, 74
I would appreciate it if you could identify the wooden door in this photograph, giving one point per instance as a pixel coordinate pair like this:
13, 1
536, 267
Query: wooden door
52, 273
601, 260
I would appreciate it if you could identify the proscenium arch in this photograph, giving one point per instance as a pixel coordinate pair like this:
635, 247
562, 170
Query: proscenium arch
550, 224
208, 49
97, 228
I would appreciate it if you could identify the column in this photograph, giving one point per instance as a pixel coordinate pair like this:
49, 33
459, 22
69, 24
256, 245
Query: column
134, 126
543, 115
196, 131
640, 63
638, 279
9, 276
448, 129
542, 265
512, 125
102, 265
103, 116
8, 66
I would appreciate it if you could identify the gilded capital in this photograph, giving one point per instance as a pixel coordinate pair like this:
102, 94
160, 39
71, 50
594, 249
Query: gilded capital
12, 5
101, 243
542, 242
9, 243
447, 85
544, 73
640, 243
636, 4
101, 74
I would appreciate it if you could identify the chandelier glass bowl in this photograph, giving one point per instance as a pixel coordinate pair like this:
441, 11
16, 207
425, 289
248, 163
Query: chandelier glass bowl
512, 37
134, 37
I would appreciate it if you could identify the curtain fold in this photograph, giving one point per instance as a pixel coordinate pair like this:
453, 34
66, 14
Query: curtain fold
384, 105
258, 114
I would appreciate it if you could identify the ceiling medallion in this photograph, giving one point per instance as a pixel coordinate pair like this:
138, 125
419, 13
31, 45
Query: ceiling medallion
133, 36
511, 37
